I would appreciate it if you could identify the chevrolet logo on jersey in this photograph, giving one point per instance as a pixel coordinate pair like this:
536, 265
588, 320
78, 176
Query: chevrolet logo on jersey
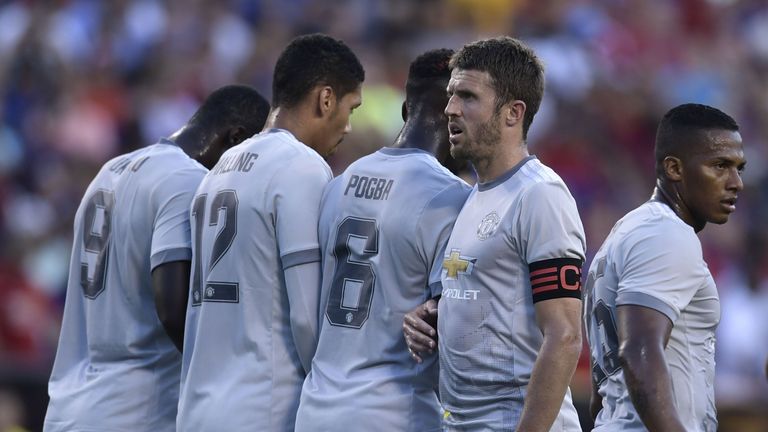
454, 263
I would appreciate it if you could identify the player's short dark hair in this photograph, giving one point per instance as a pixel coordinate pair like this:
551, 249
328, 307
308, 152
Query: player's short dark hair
681, 128
516, 72
312, 60
428, 74
232, 106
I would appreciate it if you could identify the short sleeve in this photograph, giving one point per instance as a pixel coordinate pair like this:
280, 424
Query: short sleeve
328, 210
172, 196
660, 267
549, 224
298, 190
434, 227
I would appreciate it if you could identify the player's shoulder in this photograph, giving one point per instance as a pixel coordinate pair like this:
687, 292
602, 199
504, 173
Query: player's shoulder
141, 160
161, 171
166, 160
280, 155
657, 217
280, 142
530, 177
296, 152
532, 180
118, 164
535, 174
425, 169
654, 224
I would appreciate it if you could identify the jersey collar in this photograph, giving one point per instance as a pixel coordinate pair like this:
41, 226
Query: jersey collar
166, 141
504, 177
397, 151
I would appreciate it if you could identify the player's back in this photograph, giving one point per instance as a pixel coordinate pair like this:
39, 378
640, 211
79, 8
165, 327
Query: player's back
116, 369
240, 369
653, 259
383, 225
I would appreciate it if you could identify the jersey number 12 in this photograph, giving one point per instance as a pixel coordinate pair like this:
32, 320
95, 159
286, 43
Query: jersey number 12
223, 292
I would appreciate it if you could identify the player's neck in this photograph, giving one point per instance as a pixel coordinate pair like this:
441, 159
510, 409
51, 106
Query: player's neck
669, 195
290, 120
190, 139
415, 135
506, 157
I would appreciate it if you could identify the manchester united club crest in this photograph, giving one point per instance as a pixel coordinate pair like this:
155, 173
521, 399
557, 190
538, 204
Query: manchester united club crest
488, 225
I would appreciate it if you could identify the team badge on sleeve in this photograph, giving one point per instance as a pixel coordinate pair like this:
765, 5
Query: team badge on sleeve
555, 278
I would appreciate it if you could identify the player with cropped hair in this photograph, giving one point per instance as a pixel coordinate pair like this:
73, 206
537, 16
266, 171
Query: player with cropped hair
384, 223
253, 312
651, 305
116, 368
508, 318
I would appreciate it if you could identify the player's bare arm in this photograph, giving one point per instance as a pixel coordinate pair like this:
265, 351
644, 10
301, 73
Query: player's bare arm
560, 322
170, 285
419, 329
643, 333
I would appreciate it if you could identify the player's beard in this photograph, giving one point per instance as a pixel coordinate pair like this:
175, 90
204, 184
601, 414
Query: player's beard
481, 148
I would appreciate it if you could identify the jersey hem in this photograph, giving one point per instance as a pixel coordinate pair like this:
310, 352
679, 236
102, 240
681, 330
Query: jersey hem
300, 257
436, 289
170, 255
649, 301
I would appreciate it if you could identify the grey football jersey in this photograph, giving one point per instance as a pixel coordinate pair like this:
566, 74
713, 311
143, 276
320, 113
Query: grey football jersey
116, 369
383, 227
488, 336
652, 258
254, 215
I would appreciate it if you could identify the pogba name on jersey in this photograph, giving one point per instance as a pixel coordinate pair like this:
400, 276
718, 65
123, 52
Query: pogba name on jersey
369, 187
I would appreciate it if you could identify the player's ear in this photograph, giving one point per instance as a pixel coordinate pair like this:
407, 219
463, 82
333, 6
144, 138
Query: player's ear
326, 100
235, 136
513, 112
673, 168
404, 111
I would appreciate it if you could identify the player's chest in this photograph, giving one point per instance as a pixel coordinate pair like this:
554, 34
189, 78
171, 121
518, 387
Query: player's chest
483, 237
703, 312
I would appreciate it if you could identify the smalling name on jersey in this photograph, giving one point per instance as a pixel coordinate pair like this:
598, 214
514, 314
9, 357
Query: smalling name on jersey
369, 187
240, 162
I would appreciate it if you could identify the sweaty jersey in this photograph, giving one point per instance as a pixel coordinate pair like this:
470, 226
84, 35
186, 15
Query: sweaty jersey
653, 259
383, 227
116, 369
254, 215
488, 336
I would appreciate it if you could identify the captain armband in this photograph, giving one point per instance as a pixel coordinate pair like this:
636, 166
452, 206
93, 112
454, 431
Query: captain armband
556, 278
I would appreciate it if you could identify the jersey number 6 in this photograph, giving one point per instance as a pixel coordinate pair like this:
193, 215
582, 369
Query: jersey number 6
353, 276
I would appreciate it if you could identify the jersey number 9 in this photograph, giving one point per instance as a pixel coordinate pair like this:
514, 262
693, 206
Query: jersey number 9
97, 224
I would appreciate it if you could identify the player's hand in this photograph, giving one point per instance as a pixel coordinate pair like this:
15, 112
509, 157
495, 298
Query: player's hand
420, 329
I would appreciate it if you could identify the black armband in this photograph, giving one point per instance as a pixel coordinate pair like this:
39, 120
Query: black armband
556, 278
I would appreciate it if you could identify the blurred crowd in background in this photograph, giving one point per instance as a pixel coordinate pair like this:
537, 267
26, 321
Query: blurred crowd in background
84, 80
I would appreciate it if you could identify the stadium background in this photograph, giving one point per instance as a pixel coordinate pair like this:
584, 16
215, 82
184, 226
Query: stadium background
84, 80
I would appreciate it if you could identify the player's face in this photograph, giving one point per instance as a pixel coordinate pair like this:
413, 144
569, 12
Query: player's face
711, 179
338, 123
474, 128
